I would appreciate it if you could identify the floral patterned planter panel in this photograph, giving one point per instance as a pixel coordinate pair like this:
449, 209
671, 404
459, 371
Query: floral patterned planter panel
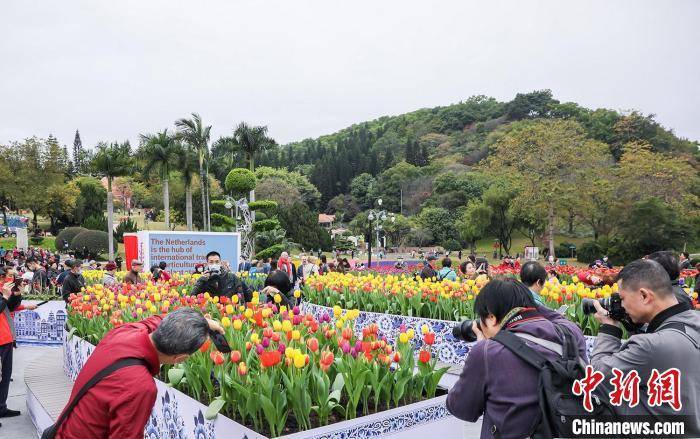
177, 416
447, 348
43, 326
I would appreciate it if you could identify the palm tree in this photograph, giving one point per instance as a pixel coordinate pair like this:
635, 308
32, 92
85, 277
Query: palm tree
250, 140
160, 152
112, 161
195, 134
187, 165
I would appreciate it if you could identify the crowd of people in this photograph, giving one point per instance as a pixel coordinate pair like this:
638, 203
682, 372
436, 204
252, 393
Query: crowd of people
496, 383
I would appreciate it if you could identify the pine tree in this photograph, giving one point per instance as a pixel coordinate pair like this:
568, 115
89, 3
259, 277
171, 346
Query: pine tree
423, 157
389, 159
67, 161
78, 154
411, 152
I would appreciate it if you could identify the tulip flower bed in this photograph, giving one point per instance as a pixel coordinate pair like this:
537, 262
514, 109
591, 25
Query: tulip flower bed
446, 300
287, 371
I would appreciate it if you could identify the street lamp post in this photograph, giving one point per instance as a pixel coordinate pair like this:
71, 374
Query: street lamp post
379, 216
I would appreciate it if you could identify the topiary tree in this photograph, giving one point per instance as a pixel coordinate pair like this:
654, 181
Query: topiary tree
91, 243
240, 181
66, 236
271, 252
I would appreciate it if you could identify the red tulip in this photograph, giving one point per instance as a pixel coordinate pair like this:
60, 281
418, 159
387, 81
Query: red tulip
235, 356
205, 346
270, 358
312, 344
217, 357
429, 338
424, 356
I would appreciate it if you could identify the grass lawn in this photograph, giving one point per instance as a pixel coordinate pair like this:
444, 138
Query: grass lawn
47, 243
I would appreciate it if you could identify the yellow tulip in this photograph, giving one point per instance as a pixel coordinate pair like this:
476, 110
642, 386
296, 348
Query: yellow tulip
237, 324
300, 360
226, 322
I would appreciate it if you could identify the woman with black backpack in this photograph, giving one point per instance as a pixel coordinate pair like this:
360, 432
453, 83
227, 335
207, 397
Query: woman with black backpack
497, 383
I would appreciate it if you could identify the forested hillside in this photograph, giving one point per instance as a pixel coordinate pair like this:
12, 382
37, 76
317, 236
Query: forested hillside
453, 137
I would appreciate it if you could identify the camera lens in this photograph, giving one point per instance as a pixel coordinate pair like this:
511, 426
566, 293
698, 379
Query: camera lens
588, 306
464, 332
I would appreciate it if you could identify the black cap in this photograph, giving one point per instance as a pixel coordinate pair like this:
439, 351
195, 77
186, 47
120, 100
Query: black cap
71, 263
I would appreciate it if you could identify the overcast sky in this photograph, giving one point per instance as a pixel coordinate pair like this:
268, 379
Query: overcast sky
114, 69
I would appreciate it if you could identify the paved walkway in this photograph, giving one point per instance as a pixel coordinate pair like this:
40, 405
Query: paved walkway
21, 427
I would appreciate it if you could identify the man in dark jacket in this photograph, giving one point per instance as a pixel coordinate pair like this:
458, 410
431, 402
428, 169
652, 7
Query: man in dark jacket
429, 271
133, 276
73, 281
670, 342
495, 382
40, 280
220, 282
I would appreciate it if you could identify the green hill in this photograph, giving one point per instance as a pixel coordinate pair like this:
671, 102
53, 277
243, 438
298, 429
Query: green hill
454, 137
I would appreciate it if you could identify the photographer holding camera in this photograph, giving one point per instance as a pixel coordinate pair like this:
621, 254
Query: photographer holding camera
219, 281
499, 383
670, 341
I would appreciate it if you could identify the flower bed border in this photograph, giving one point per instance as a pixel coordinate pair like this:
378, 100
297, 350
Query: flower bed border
447, 349
177, 415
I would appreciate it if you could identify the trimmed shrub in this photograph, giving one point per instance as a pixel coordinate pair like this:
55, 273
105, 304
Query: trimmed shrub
265, 225
95, 222
94, 242
270, 252
262, 205
563, 250
66, 236
126, 226
36, 240
240, 181
590, 251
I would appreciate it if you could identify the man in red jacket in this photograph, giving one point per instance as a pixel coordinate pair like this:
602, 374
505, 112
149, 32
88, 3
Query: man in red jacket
120, 404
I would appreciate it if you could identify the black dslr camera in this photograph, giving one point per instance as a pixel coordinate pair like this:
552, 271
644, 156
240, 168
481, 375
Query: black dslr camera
219, 341
464, 331
613, 305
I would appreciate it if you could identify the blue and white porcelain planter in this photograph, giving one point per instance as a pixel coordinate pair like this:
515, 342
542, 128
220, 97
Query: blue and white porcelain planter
177, 416
447, 348
43, 326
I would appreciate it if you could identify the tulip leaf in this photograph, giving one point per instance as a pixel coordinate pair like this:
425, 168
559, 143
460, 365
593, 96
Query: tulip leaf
214, 409
338, 383
335, 395
175, 376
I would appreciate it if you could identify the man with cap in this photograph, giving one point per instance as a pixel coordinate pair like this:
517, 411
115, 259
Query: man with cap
429, 270
74, 281
110, 269
132, 277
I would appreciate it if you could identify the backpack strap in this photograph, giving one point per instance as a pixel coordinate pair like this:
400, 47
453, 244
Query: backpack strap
119, 364
516, 345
